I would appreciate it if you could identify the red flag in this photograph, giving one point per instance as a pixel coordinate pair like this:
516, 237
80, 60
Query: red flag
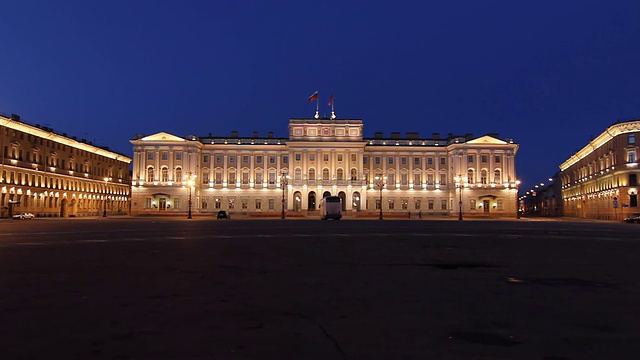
331, 100
313, 96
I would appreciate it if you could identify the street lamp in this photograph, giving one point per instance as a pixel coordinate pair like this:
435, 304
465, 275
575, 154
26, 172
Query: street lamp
191, 180
104, 213
458, 180
517, 200
379, 182
283, 182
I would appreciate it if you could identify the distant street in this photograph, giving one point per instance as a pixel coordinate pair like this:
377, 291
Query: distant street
131, 288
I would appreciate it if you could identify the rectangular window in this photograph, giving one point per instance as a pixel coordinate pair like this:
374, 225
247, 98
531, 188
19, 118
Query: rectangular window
632, 156
272, 159
416, 204
205, 177
443, 205
354, 158
429, 161
258, 178
443, 160
403, 179
272, 204
258, 204
219, 158
377, 204
391, 204
149, 156
165, 155
390, 160
245, 159
339, 157
245, 204
430, 204
218, 177
403, 161
232, 178
405, 204
298, 156
443, 179
176, 203
232, 159
205, 158
470, 159
416, 180
365, 160
259, 159
496, 159
377, 161
312, 157
483, 158
147, 203
499, 204
285, 159
325, 157
430, 179
632, 138
472, 204
245, 178
218, 204
416, 161
232, 203
179, 155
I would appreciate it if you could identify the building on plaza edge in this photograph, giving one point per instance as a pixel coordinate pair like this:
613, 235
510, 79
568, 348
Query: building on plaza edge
321, 157
601, 180
54, 175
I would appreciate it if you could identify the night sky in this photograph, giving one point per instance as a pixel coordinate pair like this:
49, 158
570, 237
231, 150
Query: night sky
549, 74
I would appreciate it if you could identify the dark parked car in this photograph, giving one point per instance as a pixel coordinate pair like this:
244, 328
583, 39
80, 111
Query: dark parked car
633, 218
223, 215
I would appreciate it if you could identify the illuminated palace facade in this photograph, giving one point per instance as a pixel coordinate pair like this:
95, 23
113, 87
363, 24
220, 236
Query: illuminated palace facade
601, 180
53, 175
321, 157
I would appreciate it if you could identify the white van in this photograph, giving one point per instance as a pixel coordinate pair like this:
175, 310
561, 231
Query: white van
331, 208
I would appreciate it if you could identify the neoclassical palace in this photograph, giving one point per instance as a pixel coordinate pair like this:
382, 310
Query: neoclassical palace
321, 157
601, 180
51, 174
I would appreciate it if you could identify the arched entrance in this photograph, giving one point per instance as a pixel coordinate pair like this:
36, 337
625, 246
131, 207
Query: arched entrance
356, 201
343, 196
297, 201
311, 201
63, 208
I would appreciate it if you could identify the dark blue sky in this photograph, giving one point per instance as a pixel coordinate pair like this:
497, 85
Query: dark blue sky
550, 74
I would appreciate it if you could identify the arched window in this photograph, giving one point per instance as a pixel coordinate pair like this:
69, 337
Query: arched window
178, 177
470, 176
483, 176
325, 174
298, 174
354, 174
165, 175
150, 174
340, 174
496, 177
312, 174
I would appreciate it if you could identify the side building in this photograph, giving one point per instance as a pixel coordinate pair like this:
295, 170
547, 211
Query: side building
601, 180
54, 175
391, 176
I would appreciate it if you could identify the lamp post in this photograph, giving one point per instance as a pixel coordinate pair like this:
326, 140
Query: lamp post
458, 180
517, 200
283, 183
190, 182
380, 184
104, 213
